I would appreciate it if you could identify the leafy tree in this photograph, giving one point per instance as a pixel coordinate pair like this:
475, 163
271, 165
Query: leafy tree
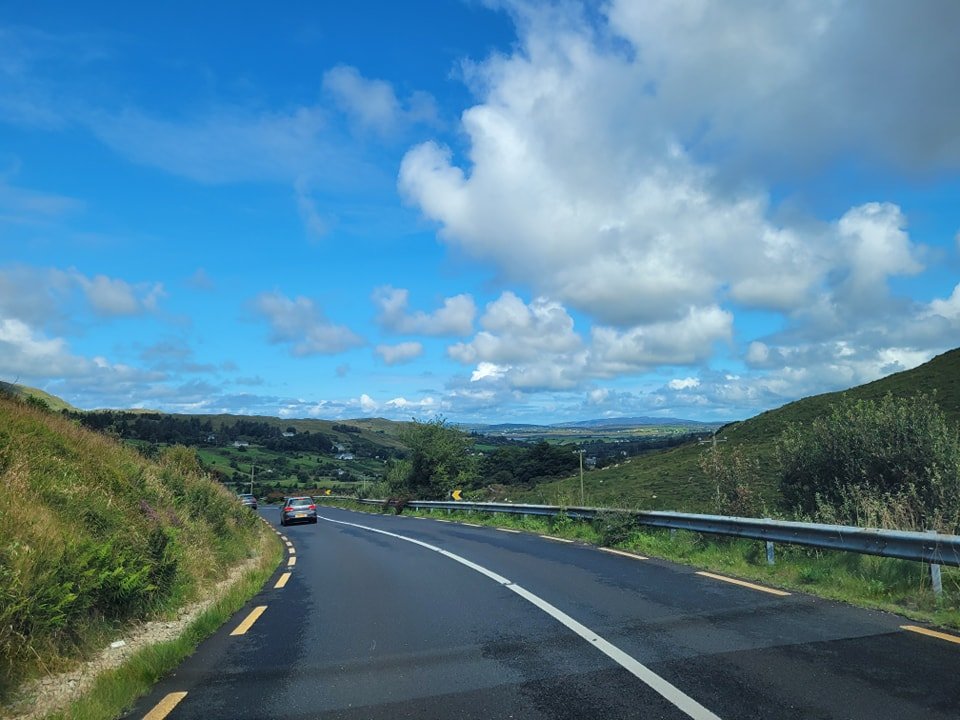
734, 476
440, 460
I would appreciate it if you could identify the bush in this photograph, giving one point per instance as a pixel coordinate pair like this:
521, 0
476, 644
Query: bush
614, 527
893, 462
733, 476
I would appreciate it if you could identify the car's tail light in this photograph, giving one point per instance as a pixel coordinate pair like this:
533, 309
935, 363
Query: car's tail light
313, 507
288, 509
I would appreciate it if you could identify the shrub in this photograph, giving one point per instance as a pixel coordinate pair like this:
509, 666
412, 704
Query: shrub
894, 462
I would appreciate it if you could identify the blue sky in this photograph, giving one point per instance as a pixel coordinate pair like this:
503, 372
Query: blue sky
497, 211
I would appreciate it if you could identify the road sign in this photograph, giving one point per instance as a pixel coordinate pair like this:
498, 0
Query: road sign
456, 494
327, 491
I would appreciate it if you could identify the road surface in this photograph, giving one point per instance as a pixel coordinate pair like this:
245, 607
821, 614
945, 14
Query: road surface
392, 617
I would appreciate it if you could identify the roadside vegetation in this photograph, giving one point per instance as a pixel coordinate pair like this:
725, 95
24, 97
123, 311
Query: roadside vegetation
96, 536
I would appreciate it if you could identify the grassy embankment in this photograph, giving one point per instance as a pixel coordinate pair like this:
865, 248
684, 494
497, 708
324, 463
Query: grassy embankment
96, 537
673, 480
872, 582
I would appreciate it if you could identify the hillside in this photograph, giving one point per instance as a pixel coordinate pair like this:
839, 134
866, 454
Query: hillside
23, 391
96, 536
672, 480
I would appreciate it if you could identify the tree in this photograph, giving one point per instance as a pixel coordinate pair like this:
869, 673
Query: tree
439, 461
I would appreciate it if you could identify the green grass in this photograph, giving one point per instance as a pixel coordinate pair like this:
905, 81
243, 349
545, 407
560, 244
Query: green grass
878, 583
672, 479
116, 690
95, 536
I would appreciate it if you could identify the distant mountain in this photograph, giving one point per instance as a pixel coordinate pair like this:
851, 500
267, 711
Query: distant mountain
626, 422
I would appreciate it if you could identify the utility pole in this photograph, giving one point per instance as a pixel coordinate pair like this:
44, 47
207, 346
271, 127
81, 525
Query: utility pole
713, 440
580, 453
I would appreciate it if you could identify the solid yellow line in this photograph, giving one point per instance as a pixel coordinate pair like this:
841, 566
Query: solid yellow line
744, 583
551, 537
282, 581
165, 706
625, 554
931, 633
291, 561
249, 620
508, 530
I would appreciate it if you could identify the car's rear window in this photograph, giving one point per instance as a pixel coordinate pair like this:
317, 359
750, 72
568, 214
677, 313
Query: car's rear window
300, 502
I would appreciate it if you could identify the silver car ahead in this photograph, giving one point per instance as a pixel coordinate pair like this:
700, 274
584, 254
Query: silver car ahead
248, 500
298, 509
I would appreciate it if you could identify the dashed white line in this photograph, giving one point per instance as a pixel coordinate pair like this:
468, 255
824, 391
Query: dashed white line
670, 692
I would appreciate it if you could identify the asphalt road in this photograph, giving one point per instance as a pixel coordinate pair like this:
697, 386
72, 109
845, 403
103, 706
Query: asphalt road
427, 619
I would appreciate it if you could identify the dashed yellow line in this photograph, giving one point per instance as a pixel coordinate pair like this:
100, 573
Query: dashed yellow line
744, 583
249, 620
165, 706
624, 553
291, 561
931, 633
282, 581
558, 539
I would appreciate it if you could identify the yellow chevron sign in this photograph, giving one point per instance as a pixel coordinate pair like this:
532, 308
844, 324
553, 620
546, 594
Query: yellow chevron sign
327, 491
456, 494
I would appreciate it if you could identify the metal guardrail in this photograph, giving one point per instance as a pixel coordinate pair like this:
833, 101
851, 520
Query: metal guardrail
930, 548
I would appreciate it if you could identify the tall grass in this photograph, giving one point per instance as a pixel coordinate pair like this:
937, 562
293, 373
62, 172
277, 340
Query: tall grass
92, 535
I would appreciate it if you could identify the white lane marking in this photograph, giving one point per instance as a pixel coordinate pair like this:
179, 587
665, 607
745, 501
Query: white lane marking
673, 694
558, 539
634, 556
471, 524
509, 530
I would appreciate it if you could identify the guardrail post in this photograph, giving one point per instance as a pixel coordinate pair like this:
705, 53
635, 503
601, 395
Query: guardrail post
673, 534
770, 560
935, 578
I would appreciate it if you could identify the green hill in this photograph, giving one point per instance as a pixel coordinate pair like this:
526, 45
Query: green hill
23, 391
95, 536
672, 480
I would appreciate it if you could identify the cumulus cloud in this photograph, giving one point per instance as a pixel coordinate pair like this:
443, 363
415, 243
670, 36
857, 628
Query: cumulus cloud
301, 325
399, 353
454, 317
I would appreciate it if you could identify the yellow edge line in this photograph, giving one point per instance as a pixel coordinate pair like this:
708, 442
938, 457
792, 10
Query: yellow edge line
282, 581
624, 553
291, 561
165, 706
744, 583
558, 539
249, 620
931, 633
508, 530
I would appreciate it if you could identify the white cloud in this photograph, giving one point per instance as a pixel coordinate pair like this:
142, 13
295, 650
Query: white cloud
373, 104
112, 296
454, 317
399, 353
683, 383
687, 341
300, 324
948, 308
368, 404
